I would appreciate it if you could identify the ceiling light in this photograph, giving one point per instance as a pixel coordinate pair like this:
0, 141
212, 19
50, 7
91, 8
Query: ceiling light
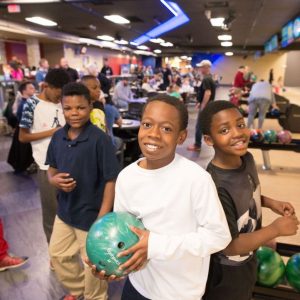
157, 41
228, 53
166, 44
41, 21
183, 57
226, 44
224, 37
157, 51
121, 42
105, 37
117, 19
217, 22
179, 18
143, 47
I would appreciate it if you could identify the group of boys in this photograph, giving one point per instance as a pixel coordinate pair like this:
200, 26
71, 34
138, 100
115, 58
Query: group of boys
202, 228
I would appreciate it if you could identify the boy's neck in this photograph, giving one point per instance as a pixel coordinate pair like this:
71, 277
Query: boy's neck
228, 162
73, 133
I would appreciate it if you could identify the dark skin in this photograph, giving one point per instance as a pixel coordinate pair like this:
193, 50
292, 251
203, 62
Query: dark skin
229, 136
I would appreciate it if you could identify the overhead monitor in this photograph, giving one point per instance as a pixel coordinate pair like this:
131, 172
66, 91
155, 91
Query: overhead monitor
287, 36
296, 28
272, 44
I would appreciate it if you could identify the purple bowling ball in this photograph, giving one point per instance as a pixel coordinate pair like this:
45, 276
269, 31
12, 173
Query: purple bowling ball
284, 137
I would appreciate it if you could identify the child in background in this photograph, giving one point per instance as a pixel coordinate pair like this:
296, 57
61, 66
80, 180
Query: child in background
232, 273
83, 167
178, 204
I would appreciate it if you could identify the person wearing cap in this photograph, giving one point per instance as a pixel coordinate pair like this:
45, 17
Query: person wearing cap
206, 93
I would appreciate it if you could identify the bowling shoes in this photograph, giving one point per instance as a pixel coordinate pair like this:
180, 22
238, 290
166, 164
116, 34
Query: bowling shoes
12, 262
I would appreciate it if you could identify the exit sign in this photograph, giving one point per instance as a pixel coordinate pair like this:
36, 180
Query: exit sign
13, 8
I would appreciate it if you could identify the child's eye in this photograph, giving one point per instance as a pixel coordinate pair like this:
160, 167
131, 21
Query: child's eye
66, 108
224, 130
167, 129
242, 125
146, 125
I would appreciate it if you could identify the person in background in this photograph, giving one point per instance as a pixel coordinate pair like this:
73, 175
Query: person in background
239, 79
206, 93
232, 272
271, 76
106, 69
73, 74
42, 116
8, 261
122, 94
260, 99
173, 90
167, 77
20, 154
42, 72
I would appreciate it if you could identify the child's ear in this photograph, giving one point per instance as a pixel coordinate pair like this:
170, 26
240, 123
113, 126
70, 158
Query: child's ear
208, 140
182, 137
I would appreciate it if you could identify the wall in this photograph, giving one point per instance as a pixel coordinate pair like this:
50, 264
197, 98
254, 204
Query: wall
292, 74
53, 53
16, 49
226, 66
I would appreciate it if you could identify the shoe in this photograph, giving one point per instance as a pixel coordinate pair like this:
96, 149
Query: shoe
194, 148
11, 262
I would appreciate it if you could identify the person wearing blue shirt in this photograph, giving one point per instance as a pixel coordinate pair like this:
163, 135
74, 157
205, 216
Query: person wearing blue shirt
83, 167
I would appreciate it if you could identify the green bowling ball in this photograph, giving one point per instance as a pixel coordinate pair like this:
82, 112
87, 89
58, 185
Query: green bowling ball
270, 268
292, 271
107, 237
270, 136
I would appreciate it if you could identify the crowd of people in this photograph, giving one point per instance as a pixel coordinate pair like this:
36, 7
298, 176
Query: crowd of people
206, 221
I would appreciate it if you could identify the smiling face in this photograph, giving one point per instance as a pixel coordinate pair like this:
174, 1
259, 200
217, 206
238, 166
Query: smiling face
93, 86
159, 134
229, 136
76, 111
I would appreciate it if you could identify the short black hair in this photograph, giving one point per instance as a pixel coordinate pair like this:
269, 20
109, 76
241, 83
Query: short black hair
181, 108
57, 78
78, 89
210, 110
23, 86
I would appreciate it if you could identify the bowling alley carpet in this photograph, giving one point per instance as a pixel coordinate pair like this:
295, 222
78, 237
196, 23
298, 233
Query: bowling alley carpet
20, 211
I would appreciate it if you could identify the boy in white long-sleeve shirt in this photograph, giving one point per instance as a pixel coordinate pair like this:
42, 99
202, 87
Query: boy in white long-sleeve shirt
178, 204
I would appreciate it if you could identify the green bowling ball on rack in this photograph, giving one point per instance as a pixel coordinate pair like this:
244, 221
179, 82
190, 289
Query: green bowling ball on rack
107, 237
270, 136
270, 267
292, 272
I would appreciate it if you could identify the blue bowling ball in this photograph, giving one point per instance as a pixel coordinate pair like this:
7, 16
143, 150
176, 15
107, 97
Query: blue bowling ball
275, 112
256, 135
107, 237
270, 136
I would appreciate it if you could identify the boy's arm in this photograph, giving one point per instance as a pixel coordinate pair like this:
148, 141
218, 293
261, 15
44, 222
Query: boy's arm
279, 207
25, 136
247, 242
61, 181
108, 198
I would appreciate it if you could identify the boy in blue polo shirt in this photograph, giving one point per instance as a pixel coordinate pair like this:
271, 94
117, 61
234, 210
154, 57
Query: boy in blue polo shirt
83, 167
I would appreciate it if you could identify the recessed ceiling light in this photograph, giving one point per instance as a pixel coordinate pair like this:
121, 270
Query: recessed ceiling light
143, 47
121, 42
228, 53
224, 37
117, 19
41, 21
105, 37
166, 44
226, 44
217, 22
157, 41
157, 51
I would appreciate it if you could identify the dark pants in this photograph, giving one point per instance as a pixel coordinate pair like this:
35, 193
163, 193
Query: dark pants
198, 132
130, 293
48, 202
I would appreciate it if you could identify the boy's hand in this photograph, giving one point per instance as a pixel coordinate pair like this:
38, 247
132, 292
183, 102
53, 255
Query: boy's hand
63, 181
139, 251
282, 208
101, 275
286, 225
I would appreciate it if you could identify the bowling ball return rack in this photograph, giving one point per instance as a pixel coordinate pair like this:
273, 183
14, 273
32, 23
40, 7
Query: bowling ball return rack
281, 292
294, 145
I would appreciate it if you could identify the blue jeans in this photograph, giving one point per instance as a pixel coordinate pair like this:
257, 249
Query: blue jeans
130, 293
